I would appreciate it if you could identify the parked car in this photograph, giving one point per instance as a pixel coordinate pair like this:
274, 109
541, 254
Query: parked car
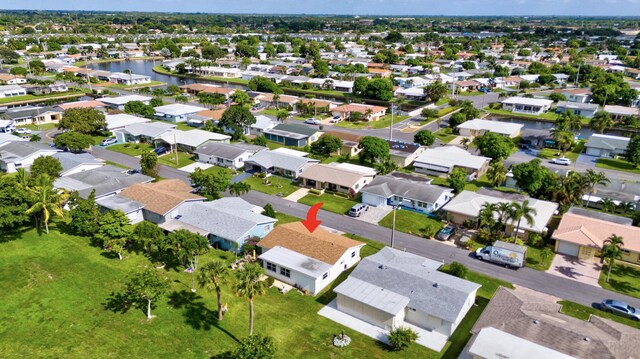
358, 210
620, 308
160, 150
446, 232
133, 171
312, 121
108, 141
485, 89
561, 161
335, 119
23, 130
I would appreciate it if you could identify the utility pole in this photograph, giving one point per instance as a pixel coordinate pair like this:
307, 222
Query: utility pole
393, 228
577, 76
175, 149
391, 127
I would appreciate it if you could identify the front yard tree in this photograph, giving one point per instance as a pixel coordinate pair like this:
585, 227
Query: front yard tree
73, 141
326, 145
401, 338
611, 251
534, 179
250, 285
113, 231
240, 97
84, 214
146, 287
457, 179
139, 108
457, 119
435, 91
592, 179
260, 141
496, 173
45, 165
84, 120
239, 188
380, 89
373, 148
282, 115
148, 164
601, 121
14, 202
493, 145
632, 154
147, 236
522, 211
212, 276
210, 184
268, 211
236, 119
47, 201
424, 138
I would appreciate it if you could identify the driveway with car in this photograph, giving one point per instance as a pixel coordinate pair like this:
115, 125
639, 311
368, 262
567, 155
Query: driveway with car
577, 269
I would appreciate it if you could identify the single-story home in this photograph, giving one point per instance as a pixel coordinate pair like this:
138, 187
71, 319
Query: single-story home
350, 142
620, 112
492, 343
278, 163
368, 112
95, 104
12, 91
129, 79
106, 181
466, 85
142, 132
307, 260
393, 287
584, 236
606, 145
6, 137
442, 160
223, 72
227, 155
467, 205
189, 141
118, 103
176, 112
587, 110
392, 191
581, 95
21, 154
7, 125
526, 105
292, 134
334, 178
8, 79
537, 138
121, 120
478, 127
76, 162
33, 115
262, 124
403, 153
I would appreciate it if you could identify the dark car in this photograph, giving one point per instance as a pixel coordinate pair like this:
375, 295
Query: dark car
620, 308
446, 232
160, 150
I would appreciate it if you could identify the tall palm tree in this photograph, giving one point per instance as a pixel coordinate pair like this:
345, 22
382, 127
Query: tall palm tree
592, 179
48, 201
250, 285
465, 142
276, 98
564, 139
211, 276
601, 121
608, 205
485, 215
520, 211
128, 72
496, 173
568, 121
239, 188
625, 207
503, 209
612, 250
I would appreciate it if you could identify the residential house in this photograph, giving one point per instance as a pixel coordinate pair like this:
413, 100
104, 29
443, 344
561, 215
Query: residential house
584, 237
12, 91
142, 132
526, 105
392, 289
537, 138
8, 79
118, 103
606, 145
335, 178
350, 142
122, 120
31, 115
368, 112
227, 222
6, 137
35, 89
129, 79
278, 163
580, 95
263, 123
478, 127
267, 100
76, 162
620, 112
587, 110
442, 160
95, 104
467, 205
189, 141
307, 260
467, 85
21, 154
7, 125
176, 112
227, 155
107, 181
403, 153
413, 93
416, 196
523, 323
223, 72
292, 134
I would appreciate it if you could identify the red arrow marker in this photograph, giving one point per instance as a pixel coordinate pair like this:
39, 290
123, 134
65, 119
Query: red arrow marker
311, 222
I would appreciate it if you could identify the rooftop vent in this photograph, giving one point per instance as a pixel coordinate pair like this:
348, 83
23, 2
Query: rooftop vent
435, 285
586, 339
536, 321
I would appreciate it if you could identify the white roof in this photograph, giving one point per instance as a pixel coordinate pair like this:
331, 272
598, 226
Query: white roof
123, 119
527, 101
367, 171
121, 100
373, 295
193, 138
177, 109
450, 156
492, 343
296, 261
412, 91
263, 123
621, 110
7, 137
290, 152
150, 129
503, 128
221, 69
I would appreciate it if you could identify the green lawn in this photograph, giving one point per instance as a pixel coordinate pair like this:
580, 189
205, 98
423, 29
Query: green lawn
472, 93
131, 149
42, 127
583, 312
278, 185
183, 126
446, 111
535, 261
12, 99
442, 101
384, 122
617, 164
551, 153
169, 159
274, 112
116, 164
330, 202
73, 282
284, 218
216, 169
625, 279
412, 223
445, 135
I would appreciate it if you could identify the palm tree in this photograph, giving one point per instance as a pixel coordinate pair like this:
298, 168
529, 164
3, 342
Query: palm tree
276, 97
48, 200
485, 215
386, 166
128, 72
568, 121
250, 285
465, 142
239, 188
592, 179
496, 173
601, 121
612, 250
625, 207
608, 205
564, 139
211, 276
503, 210
520, 211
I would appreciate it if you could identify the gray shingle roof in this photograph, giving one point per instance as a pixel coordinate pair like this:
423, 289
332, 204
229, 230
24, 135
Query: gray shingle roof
124, 204
15, 151
70, 160
105, 180
29, 112
227, 151
295, 128
269, 159
388, 186
607, 142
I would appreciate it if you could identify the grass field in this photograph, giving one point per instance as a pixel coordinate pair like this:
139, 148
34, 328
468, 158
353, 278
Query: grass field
412, 223
34, 98
625, 279
617, 164
278, 186
42, 127
551, 153
445, 135
583, 312
382, 123
169, 159
535, 260
133, 87
131, 149
330, 202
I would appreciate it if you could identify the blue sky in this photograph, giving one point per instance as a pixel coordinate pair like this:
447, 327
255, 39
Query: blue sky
358, 7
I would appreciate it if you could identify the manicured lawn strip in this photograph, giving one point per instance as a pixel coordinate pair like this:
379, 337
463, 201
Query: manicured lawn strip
384, 122
169, 159
411, 222
547, 116
473, 93
445, 135
617, 164
216, 169
183, 126
330, 202
583, 312
284, 218
442, 101
41, 97
116, 164
137, 86
446, 111
131, 149
42, 127
551, 153
625, 279
278, 185
535, 261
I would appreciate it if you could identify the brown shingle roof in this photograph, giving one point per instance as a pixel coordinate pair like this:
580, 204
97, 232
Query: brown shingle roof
161, 197
321, 244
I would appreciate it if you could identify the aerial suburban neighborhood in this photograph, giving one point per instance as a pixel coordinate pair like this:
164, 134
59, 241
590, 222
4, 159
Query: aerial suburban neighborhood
285, 179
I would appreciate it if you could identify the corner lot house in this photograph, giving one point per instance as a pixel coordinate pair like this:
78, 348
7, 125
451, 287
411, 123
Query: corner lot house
309, 261
278, 163
466, 206
334, 178
587, 110
393, 289
583, 237
227, 155
544, 332
392, 191
581, 95
606, 146
620, 112
292, 134
525, 105
442, 160
21, 154
478, 127
176, 112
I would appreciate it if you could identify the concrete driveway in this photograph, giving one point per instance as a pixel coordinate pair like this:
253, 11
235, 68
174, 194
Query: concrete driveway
576, 269
375, 214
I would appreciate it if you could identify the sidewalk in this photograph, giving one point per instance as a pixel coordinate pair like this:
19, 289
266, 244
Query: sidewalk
295, 196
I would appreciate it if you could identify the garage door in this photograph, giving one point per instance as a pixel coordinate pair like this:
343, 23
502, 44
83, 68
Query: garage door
568, 248
592, 151
374, 200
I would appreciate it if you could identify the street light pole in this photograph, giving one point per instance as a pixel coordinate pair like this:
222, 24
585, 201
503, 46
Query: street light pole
393, 228
391, 127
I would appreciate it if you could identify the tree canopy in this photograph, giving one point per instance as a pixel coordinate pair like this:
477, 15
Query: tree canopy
83, 120
493, 145
326, 145
236, 119
373, 148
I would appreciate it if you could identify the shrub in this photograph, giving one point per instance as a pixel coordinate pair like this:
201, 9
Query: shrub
401, 338
270, 281
454, 102
535, 240
456, 269
343, 195
126, 145
136, 147
429, 230
315, 191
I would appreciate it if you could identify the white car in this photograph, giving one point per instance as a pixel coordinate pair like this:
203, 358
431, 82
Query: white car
312, 121
335, 119
23, 130
561, 161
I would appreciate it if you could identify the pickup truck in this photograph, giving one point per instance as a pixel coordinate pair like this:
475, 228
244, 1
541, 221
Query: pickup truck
509, 254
